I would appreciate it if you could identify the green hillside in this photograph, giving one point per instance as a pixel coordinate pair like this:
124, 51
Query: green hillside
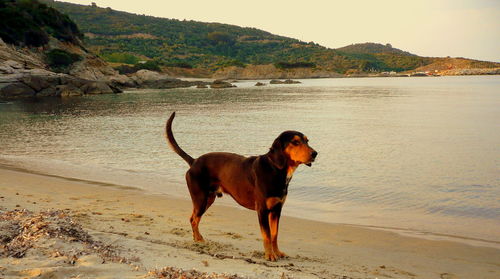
113, 34
30, 23
129, 38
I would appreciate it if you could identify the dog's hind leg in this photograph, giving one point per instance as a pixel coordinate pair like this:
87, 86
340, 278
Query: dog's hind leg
201, 199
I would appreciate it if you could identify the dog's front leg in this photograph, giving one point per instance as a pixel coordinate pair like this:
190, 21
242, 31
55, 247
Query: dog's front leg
265, 230
274, 220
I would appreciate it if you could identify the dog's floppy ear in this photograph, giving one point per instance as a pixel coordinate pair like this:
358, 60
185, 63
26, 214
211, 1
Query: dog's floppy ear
276, 154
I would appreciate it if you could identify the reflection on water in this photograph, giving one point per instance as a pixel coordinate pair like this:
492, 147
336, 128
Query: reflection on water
417, 153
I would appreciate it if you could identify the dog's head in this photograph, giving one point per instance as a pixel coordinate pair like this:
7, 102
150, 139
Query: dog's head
291, 148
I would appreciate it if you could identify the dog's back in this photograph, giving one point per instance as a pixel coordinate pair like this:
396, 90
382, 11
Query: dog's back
228, 173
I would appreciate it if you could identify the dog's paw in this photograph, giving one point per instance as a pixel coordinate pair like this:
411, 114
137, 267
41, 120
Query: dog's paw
271, 257
280, 254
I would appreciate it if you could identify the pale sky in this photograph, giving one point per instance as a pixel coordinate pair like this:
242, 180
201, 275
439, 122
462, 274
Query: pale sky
437, 28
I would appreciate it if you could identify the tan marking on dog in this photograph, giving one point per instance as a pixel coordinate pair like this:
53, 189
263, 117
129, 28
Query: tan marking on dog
300, 153
289, 172
271, 202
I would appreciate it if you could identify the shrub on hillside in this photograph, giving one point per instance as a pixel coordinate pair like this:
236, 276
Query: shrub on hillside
183, 65
288, 65
59, 59
121, 57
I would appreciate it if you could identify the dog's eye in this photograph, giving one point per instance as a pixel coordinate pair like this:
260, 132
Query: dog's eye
295, 142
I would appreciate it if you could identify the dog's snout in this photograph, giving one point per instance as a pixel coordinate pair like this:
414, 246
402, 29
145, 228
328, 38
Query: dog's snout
314, 154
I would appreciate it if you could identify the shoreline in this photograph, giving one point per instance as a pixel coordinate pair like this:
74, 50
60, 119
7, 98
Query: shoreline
229, 204
155, 229
23, 85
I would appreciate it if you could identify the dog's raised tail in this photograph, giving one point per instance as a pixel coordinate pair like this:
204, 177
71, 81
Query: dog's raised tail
173, 144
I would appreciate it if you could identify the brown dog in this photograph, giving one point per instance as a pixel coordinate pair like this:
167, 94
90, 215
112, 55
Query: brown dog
258, 183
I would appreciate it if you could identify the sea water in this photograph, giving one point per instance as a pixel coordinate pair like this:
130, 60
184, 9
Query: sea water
420, 155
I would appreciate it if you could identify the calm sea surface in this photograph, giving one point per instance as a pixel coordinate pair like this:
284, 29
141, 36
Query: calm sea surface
420, 154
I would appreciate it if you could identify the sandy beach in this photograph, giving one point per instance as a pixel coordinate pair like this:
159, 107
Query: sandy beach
122, 232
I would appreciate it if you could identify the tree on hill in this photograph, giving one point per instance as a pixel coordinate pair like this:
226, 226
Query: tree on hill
218, 37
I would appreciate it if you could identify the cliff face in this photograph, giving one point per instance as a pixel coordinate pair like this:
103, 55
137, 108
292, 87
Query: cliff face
88, 67
24, 72
41, 54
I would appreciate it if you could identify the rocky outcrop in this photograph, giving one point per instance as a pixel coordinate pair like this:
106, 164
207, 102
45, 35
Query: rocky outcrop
217, 84
16, 90
472, 71
288, 81
19, 82
151, 79
24, 73
260, 84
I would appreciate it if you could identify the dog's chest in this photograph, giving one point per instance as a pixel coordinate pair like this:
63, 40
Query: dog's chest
289, 173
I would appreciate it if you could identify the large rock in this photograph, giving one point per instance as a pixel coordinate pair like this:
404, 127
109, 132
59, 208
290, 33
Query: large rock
6, 70
13, 64
69, 80
38, 83
146, 75
151, 79
47, 92
288, 81
121, 81
68, 90
96, 87
221, 84
16, 90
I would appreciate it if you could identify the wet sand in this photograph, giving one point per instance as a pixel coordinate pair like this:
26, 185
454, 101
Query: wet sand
146, 233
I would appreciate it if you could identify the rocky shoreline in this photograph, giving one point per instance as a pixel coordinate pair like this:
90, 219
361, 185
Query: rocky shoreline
25, 74
16, 81
21, 81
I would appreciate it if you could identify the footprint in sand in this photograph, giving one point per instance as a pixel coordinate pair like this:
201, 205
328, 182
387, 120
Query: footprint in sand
447, 276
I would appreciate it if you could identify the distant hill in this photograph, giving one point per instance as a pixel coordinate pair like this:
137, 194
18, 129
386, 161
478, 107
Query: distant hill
126, 38
373, 48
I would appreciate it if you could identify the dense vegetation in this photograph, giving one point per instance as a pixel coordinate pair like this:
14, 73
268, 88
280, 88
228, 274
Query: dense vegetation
59, 59
129, 38
30, 23
145, 42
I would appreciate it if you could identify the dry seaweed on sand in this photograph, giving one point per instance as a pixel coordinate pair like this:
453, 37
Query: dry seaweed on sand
20, 230
176, 273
